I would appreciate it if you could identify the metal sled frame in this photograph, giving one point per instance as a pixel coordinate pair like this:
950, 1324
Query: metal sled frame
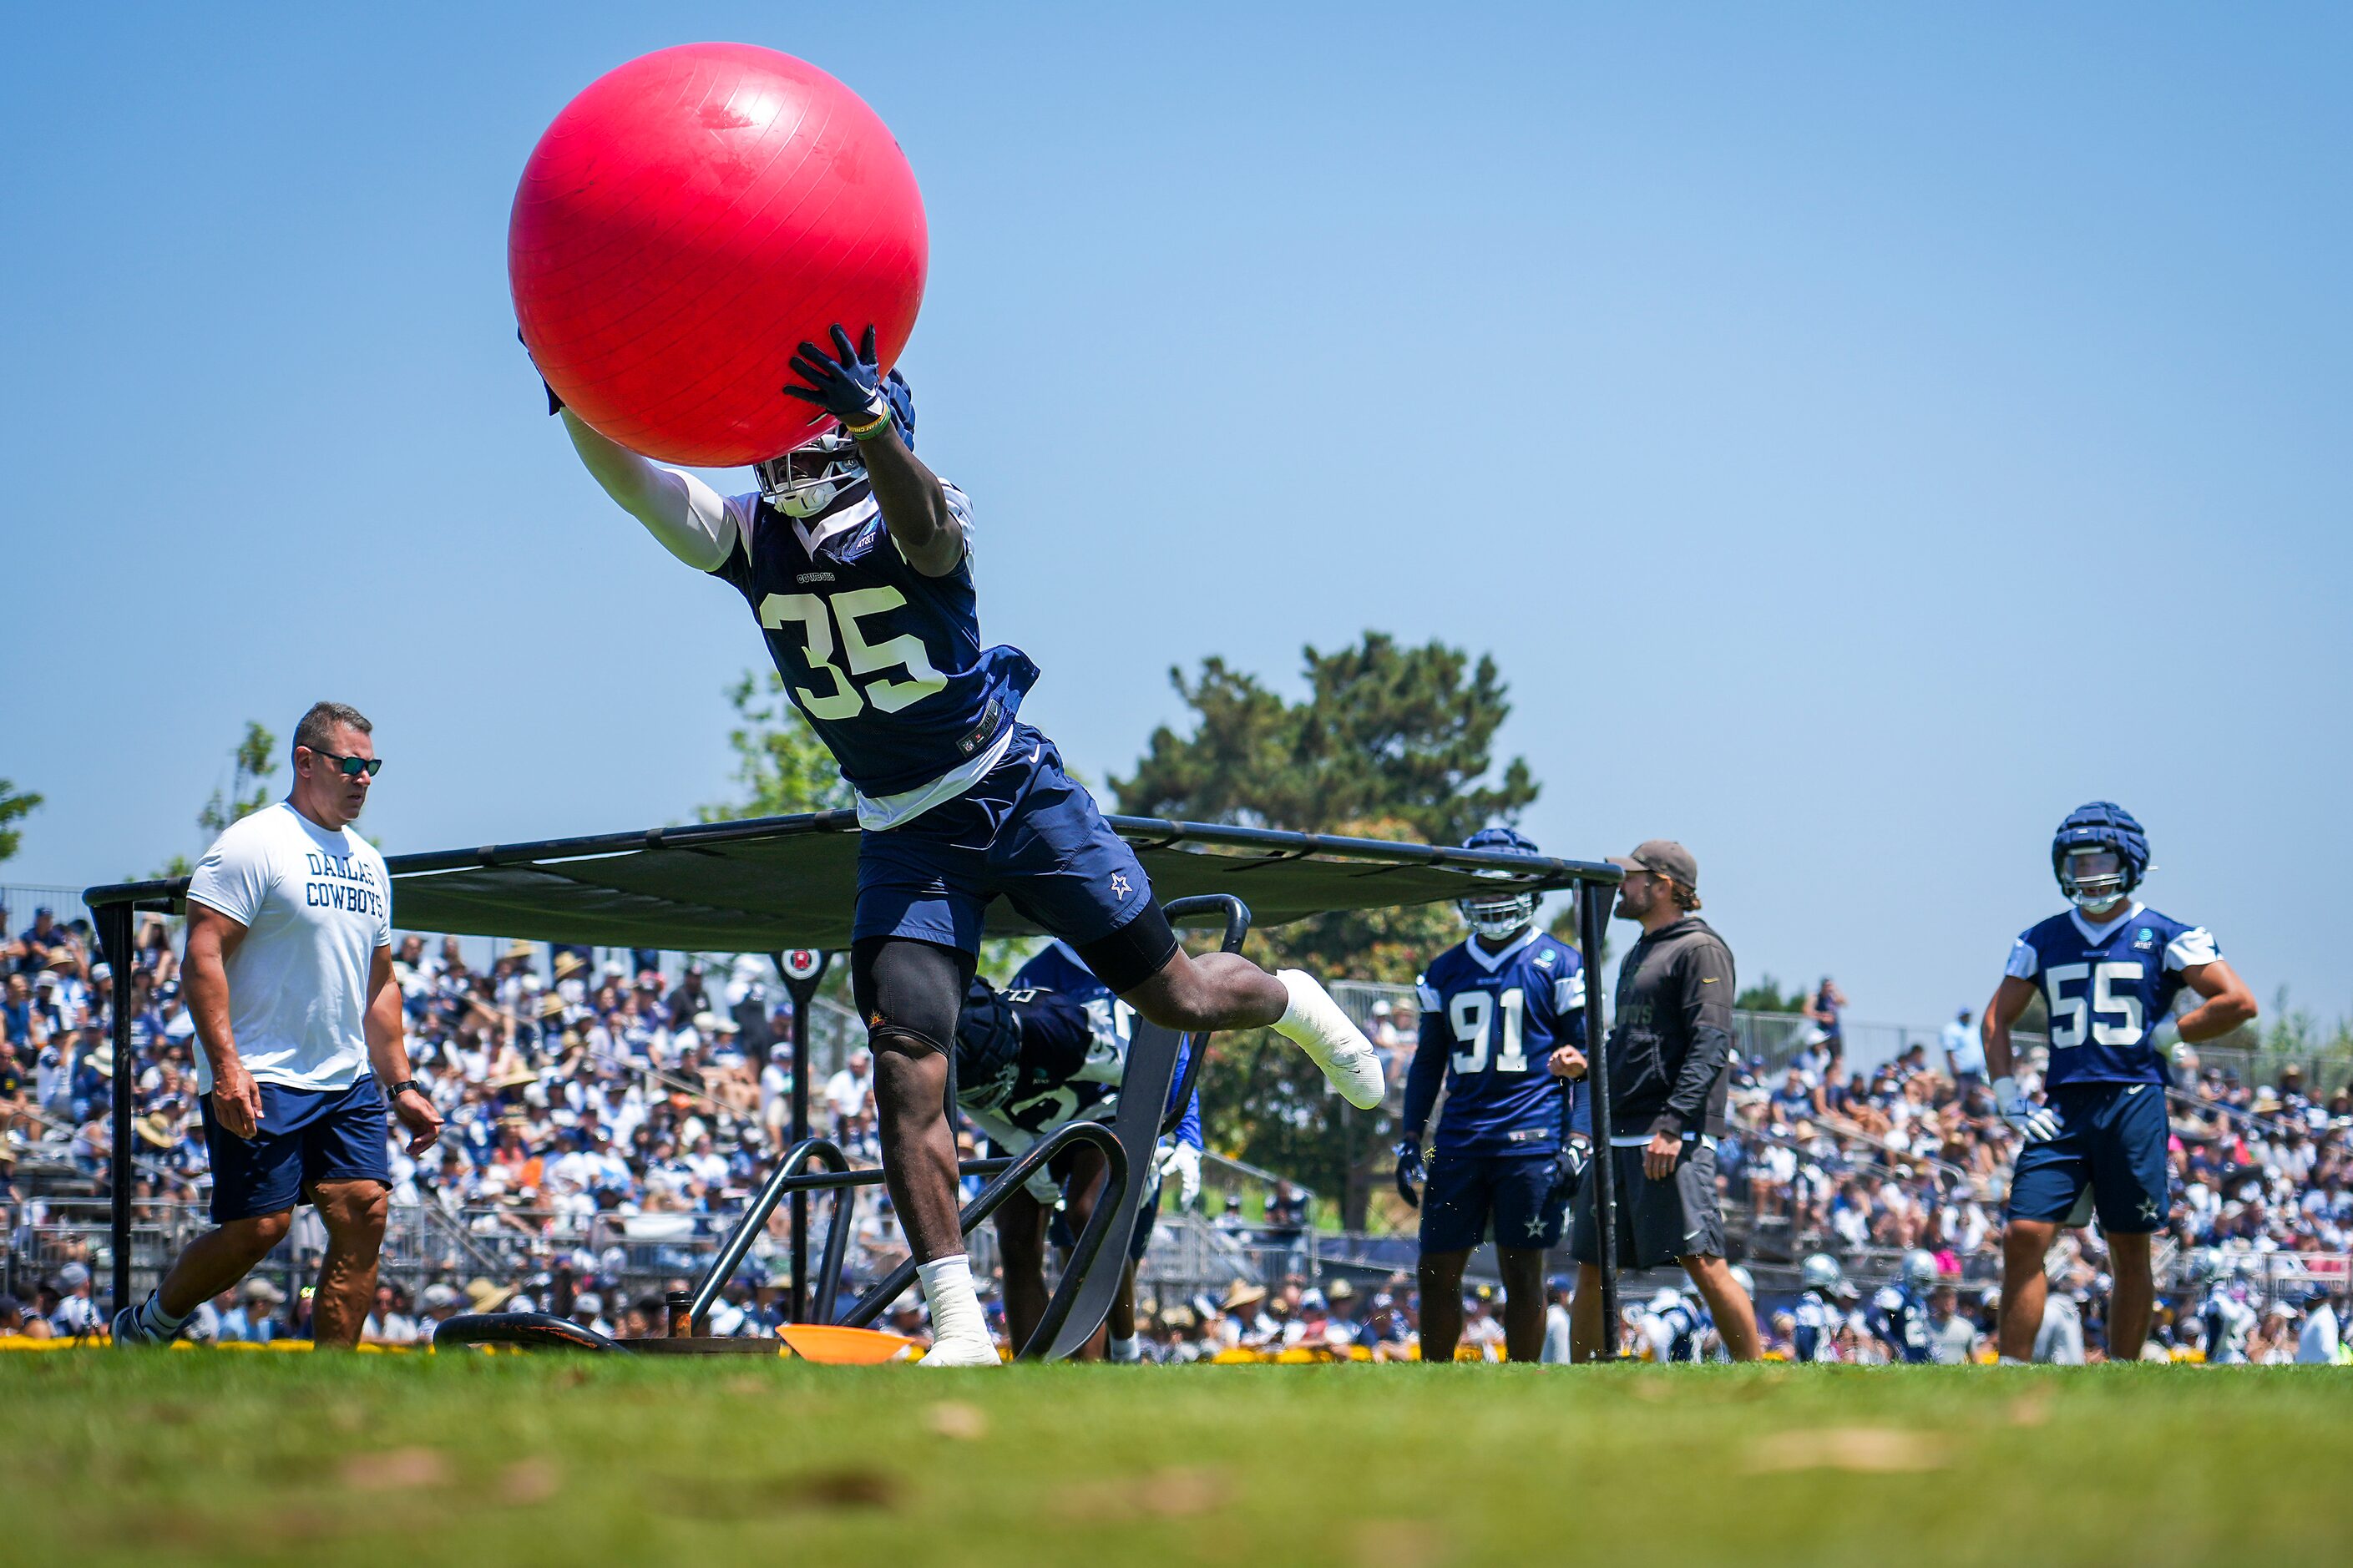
1148, 1108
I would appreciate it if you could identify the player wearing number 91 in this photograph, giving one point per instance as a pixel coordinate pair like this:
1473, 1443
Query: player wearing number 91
857, 561
1503, 1026
2109, 970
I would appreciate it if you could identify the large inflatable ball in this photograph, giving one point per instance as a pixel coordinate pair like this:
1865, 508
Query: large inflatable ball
690, 218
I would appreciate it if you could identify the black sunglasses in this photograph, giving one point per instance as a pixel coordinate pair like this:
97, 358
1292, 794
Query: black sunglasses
350, 767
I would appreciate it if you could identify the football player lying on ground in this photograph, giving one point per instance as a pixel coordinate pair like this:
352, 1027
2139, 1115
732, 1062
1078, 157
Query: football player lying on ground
1052, 1047
2110, 969
857, 562
1503, 1024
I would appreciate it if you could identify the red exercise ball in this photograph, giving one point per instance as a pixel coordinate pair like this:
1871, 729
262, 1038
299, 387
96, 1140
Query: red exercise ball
685, 223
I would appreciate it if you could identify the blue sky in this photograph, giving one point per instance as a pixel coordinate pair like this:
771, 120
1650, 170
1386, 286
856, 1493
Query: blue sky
1927, 415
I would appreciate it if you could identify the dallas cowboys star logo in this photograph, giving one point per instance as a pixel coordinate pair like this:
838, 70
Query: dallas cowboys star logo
1119, 883
1535, 1224
2149, 1208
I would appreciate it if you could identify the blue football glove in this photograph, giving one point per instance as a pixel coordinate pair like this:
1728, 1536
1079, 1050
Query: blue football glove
1568, 1170
846, 383
1411, 1174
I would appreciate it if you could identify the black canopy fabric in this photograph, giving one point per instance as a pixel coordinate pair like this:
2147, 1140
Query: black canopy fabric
772, 883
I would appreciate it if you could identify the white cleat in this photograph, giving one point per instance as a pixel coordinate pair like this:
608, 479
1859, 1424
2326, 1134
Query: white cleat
957, 1350
1316, 1024
129, 1330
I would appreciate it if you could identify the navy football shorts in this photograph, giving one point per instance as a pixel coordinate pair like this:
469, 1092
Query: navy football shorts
305, 1136
1025, 833
2113, 1137
1472, 1198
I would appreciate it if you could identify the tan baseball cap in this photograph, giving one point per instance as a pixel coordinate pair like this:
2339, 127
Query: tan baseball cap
1664, 856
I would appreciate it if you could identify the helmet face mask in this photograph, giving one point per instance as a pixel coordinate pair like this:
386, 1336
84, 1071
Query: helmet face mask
2094, 878
1499, 915
810, 477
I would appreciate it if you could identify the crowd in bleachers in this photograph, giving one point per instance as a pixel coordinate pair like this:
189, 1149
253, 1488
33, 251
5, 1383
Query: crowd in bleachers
595, 1109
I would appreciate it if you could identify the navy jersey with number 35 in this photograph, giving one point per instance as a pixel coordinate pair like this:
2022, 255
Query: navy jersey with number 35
886, 662
1489, 1022
2109, 987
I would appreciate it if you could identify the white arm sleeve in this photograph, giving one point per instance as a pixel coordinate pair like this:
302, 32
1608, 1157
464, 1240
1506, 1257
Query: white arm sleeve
693, 520
2190, 949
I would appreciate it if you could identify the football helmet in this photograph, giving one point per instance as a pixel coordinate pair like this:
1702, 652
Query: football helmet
988, 1048
810, 477
1820, 1271
2099, 854
1745, 1280
1497, 915
1920, 1269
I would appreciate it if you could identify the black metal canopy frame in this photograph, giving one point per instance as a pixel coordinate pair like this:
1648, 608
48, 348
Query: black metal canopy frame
785, 886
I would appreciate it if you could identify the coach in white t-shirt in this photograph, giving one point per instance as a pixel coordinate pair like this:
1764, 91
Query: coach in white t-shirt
288, 978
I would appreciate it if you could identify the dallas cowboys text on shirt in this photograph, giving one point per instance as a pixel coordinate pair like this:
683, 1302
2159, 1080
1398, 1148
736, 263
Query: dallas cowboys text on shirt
342, 882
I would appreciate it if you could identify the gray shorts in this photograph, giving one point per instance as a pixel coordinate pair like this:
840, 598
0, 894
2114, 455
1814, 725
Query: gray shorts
1658, 1222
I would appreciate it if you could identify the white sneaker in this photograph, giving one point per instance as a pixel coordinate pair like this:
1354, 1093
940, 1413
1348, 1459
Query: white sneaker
958, 1350
1316, 1024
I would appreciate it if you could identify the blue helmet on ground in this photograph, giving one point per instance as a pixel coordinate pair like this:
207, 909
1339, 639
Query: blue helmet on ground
1498, 914
2099, 854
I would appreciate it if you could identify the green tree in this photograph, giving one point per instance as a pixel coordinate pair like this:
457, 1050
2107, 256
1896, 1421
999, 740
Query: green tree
781, 764
253, 762
1405, 734
1391, 742
1766, 996
15, 805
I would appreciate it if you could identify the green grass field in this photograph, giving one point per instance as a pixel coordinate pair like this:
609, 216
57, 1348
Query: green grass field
513, 1459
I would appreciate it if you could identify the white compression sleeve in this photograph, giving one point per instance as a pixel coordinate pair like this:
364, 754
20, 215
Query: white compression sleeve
691, 519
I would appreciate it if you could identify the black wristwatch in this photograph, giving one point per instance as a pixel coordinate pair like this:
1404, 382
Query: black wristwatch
392, 1095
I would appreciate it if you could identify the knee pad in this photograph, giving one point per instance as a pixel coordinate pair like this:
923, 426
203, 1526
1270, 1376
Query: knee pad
910, 993
887, 1038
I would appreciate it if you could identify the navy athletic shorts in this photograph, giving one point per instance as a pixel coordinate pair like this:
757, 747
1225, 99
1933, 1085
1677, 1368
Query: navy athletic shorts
1025, 833
1502, 1198
306, 1136
2112, 1137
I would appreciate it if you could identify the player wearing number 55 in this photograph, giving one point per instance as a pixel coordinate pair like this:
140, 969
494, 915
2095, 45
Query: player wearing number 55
857, 561
2110, 969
